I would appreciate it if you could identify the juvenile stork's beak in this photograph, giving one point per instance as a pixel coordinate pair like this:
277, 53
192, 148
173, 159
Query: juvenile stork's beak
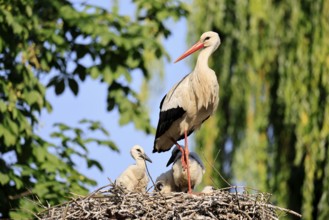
197, 46
145, 157
174, 156
171, 160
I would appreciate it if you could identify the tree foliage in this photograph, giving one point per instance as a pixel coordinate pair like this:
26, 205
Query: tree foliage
54, 40
272, 125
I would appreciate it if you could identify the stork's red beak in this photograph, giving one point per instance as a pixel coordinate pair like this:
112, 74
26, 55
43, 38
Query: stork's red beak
194, 48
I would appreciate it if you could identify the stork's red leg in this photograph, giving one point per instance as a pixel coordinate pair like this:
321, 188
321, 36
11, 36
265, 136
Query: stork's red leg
183, 158
187, 153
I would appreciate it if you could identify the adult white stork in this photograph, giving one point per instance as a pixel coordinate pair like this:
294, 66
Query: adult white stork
190, 102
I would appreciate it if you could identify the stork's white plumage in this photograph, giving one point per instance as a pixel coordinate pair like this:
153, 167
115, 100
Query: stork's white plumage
191, 101
196, 166
135, 178
208, 189
165, 183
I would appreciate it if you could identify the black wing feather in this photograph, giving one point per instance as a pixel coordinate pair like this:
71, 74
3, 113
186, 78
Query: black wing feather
167, 118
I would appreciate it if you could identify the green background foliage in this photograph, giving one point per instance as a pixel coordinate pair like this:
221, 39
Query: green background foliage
272, 125
46, 39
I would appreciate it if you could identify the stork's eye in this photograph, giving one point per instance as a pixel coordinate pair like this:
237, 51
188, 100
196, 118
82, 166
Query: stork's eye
139, 150
207, 38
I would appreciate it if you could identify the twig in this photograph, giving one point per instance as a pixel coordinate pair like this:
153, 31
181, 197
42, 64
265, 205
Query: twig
283, 209
148, 172
23, 194
65, 212
35, 215
97, 190
220, 175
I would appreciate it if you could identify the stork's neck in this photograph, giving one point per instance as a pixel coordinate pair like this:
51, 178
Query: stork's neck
202, 62
140, 163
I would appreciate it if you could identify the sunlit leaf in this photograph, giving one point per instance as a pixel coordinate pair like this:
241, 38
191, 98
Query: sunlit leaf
4, 179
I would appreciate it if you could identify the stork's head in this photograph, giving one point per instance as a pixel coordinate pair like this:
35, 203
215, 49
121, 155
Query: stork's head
159, 186
208, 39
175, 155
137, 152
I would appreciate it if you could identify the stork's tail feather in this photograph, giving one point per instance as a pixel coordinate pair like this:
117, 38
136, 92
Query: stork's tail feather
161, 147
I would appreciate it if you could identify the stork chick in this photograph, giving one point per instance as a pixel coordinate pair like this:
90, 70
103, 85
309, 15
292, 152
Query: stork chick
208, 189
196, 168
165, 183
135, 178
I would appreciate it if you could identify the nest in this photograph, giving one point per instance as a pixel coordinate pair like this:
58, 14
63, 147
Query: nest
111, 202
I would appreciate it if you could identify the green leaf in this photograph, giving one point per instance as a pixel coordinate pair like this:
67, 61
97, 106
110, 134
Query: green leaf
44, 64
40, 153
18, 182
3, 106
73, 86
49, 56
4, 179
107, 75
59, 87
57, 39
9, 138
9, 17
94, 72
62, 127
124, 118
53, 81
92, 163
28, 11
109, 144
12, 126
81, 71
34, 97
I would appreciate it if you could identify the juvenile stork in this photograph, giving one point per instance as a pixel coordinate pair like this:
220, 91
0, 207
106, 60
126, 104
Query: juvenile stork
208, 189
196, 166
189, 102
134, 178
165, 183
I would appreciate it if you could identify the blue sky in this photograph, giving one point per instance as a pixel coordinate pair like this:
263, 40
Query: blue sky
91, 103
